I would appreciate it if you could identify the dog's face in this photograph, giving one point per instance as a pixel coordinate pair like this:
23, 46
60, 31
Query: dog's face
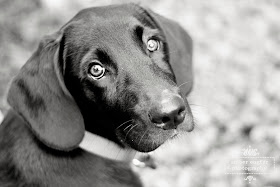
118, 72
128, 70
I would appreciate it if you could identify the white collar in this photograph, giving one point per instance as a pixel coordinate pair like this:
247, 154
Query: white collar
105, 148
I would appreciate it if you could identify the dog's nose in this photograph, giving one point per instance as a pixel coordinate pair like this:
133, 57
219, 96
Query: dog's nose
169, 113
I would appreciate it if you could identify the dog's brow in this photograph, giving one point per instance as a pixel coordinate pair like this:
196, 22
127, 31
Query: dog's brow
137, 35
105, 58
138, 31
145, 18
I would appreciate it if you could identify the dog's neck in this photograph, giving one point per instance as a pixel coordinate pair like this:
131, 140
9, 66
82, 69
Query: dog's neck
105, 148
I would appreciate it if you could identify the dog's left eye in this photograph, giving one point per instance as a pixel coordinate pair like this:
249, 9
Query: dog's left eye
96, 70
153, 45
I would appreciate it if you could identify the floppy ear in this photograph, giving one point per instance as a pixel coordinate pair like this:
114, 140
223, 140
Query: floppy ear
39, 95
179, 45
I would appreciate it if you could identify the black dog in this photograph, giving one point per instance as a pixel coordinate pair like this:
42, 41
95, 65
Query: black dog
119, 73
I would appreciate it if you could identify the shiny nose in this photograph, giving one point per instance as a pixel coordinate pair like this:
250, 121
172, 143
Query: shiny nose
168, 113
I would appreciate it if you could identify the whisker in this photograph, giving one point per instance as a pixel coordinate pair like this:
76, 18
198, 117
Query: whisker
134, 155
171, 51
127, 127
154, 143
118, 153
124, 123
191, 104
142, 137
130, 130
184, 83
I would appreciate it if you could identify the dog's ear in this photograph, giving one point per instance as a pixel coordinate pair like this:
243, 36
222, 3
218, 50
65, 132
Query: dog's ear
39, 95
179, 48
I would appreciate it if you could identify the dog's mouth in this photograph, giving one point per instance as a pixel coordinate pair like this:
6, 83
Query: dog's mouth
152, 122
146, 137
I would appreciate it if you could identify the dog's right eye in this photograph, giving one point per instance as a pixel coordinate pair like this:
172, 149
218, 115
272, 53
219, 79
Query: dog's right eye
96, 70
153, 45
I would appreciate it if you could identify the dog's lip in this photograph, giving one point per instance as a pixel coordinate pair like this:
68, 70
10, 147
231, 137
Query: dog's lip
174, 134
190, 127
137, 129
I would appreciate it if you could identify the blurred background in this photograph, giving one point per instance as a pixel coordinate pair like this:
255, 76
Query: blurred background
236, 97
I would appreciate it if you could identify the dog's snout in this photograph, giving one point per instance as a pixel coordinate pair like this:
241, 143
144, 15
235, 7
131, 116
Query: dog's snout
169, 113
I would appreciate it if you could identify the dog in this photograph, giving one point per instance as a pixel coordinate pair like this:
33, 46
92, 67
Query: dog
111, 82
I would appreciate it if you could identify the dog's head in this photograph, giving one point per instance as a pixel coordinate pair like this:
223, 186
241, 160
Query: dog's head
121, 72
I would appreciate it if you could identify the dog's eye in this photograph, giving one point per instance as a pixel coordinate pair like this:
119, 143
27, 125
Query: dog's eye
153, 45
96, 70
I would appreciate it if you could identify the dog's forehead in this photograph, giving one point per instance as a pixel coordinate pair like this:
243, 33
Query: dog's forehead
101, 22
105, 26
106, 11
117, 14
112, 29
100, 33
